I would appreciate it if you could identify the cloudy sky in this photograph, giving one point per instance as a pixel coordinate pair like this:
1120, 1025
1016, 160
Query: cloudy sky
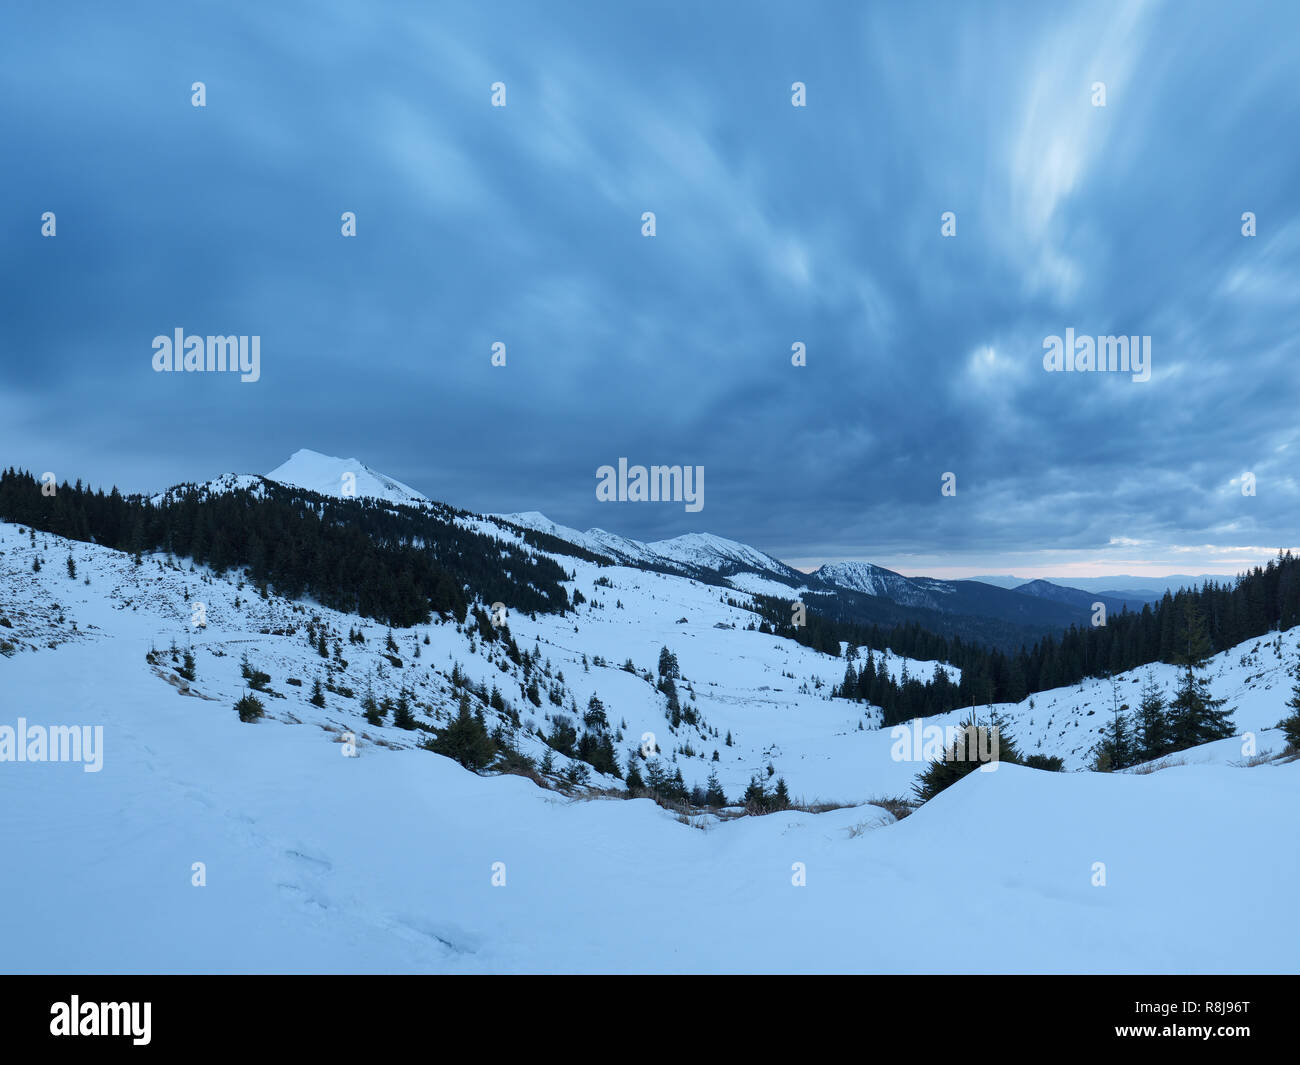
775, 224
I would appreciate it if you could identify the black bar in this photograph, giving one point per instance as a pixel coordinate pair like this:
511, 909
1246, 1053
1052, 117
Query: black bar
340, 1013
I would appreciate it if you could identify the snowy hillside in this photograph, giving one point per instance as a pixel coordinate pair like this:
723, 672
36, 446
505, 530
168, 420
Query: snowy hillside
388, 861
770, 695
1255, 679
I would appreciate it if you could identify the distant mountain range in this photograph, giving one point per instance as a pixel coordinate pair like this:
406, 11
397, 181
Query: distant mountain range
1087, 600
1123, 586
689, 552
1001, 611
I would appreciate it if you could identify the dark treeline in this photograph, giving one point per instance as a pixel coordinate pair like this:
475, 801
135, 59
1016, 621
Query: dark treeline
1003, 633
1254, 603
399, 565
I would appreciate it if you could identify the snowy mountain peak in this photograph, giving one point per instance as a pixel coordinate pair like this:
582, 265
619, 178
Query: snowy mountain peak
332, 476
864, 577
709, 551
697, 550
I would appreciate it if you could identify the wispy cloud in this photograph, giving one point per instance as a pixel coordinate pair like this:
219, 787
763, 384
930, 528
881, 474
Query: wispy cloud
776, 225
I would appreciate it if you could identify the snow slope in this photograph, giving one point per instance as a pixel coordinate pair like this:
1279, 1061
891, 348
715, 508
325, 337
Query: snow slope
1254, 677
384, 862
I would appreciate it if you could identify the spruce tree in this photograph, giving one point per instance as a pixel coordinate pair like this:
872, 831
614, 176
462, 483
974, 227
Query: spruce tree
668, 664
465, 739
606, 761
1195, 716
1116, 750
595, 717
564, 736
1152, 722
402, 716
655, 778
678, 787
713, 793
1002, 746
755, 799
317, 694
374, 716
966, 755
849, 686
249, 708
1118, 741
1291, 725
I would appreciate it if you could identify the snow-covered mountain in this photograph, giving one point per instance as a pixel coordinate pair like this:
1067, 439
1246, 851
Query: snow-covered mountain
706, 551
310, 470
985, 605
865, 592
870, 579
688, 552
342, 477
713, 557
